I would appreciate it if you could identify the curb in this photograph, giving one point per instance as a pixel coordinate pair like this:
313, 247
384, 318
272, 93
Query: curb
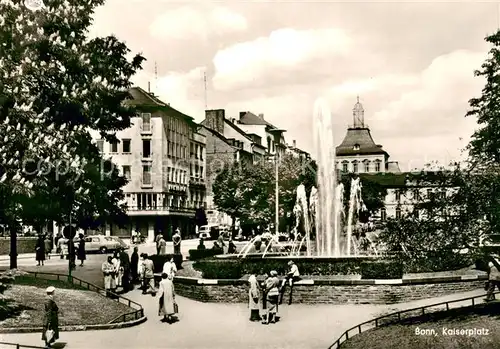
74, 328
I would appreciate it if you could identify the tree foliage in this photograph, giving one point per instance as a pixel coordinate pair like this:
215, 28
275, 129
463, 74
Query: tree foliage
56, 85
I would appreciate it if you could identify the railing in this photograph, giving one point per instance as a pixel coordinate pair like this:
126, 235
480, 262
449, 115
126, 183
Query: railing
18, 346
374, 323
161, 208
133, 315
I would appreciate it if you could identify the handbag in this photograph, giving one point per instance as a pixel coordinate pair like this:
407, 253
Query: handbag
176, 308
49, 335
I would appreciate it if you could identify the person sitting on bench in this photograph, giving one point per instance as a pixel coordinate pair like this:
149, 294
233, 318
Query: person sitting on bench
292, 277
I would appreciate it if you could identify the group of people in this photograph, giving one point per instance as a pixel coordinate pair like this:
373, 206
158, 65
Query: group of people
161, 243
267, 296
117, 270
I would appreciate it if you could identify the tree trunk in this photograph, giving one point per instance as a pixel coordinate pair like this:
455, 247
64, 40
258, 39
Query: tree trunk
13, 247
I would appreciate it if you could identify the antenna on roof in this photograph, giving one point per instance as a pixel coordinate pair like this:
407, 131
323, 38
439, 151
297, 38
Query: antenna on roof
149, 86
205, 87
156, 76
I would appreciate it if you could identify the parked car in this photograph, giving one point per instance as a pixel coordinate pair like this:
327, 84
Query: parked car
103, 244
206, 231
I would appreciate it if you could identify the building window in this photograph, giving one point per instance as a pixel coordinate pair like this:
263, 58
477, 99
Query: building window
398, 195
367, 166
377, 166
146, 122
201, 152
398, 213
201, 171
383, 214
355, 166
100, 145
146, 148
114, 147
126, 145
146, 175
345, 166
356, 147
416, 194
127, 172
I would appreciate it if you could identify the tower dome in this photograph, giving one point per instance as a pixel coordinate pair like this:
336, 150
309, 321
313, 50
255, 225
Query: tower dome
358, 114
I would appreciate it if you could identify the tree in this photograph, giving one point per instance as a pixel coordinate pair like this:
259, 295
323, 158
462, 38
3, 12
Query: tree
56, 85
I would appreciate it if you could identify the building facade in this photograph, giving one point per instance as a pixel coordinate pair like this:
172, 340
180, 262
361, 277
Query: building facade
163, 156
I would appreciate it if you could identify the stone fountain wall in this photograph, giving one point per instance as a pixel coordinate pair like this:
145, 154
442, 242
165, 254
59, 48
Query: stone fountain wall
334, 291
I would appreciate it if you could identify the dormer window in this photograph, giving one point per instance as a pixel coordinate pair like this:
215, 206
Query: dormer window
356, 147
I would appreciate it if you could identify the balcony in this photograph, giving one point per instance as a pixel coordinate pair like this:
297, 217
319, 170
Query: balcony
197, 182
159, 211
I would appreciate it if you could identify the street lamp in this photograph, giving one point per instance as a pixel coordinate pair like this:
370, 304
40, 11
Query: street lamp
277, 133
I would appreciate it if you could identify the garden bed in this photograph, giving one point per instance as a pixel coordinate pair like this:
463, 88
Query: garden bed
77, 306
427, 331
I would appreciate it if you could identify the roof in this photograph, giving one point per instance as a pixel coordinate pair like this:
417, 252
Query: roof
217, 134
404, 179
359, 136
148, 102
250, 118
239, 130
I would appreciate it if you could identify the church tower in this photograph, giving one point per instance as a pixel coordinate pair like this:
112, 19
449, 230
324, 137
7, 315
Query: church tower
358, 115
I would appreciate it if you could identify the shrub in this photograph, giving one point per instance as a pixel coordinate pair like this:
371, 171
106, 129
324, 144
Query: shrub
24, 245
381, 270
438, 262
160, 259
195, 255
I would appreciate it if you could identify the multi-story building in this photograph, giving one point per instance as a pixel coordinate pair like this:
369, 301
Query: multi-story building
299, 153
163, 156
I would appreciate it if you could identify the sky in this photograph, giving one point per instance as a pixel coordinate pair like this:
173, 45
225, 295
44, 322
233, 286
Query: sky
412, 64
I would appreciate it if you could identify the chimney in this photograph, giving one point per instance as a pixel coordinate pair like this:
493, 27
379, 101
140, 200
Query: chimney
294, 142
261, 116
233, 120
242, 114
149, 87
215, 120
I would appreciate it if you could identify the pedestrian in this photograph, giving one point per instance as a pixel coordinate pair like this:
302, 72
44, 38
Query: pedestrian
201, 245
254, 298
50, 329
272, 294
134, 265
108, 271
62, 247
125, 264
48, 246
291, 278
148, 276
118, 269
493, 278
176, 238
134, 237
162, 245
82, 254
157, 242
40, 250
231, 247
169, 267
166, 299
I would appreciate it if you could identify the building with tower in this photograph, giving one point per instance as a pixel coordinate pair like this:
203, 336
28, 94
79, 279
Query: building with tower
358, 152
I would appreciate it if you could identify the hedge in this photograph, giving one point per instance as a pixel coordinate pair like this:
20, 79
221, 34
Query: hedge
195, 255
24, 245
381, 270
438, 262
160, 259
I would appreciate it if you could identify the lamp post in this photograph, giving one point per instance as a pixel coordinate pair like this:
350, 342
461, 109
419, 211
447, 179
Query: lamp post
277, 133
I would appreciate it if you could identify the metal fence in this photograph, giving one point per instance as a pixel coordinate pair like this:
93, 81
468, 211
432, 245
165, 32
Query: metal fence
398, 316
133, 315
5, 345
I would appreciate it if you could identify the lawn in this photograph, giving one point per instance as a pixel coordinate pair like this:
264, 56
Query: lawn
77, 306
465, 328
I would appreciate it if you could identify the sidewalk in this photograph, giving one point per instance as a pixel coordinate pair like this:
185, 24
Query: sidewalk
216, 325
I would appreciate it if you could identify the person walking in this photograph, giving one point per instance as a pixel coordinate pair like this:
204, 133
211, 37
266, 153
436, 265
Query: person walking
493, 278
48, 246
108, 271
272, 292
162, 245
157, 242
148, 276
40, 250
254, 298
125, 264
166, 299
169, 267
291, 278
134, 265
177, 239
50, 329
82, 254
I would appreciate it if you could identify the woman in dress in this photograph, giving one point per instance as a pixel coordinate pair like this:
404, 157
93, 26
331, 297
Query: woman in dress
166, 299
254, 298
162, 245
40, 250
118, 269
108, 270
50, 331
272, 291
82, 254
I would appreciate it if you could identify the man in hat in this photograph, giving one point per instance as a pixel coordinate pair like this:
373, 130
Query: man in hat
292, 277
493, 277
50, 332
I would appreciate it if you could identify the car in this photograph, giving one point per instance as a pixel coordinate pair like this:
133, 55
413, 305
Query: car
103, 244
205, 231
